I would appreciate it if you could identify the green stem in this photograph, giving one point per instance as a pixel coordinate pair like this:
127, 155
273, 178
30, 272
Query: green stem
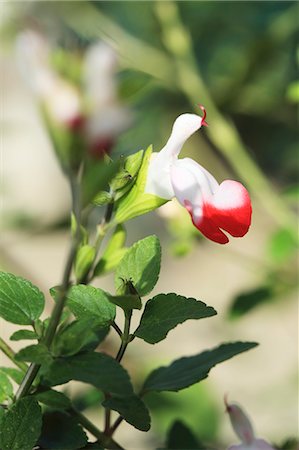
60, 302
102, 438
8, 351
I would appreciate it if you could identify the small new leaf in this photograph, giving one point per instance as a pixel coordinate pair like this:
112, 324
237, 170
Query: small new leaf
20, 301
165, 311
6, 389
53, 399
140, 265
23, 334
84, 260
21, 425
126, 302
187, 371
38, 354
132, 409
113, 253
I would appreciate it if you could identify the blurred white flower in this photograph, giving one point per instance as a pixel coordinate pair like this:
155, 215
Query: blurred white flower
244, 430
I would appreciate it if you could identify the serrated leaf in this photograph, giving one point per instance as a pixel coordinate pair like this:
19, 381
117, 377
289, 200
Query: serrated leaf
53, 399
165, 311
15, 374
135, 202
21, 425
61, 431
23, 334
38, 354
181, 437
132, 409
114, 251
90, 303
66, 342
187, 371
98, 369
140, 265
6, 389
20, 301
126, 302
84, 260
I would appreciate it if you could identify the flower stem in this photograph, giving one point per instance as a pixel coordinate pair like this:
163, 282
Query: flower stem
60, 303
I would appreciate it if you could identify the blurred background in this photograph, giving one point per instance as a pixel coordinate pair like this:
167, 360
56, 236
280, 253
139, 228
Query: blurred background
238, 59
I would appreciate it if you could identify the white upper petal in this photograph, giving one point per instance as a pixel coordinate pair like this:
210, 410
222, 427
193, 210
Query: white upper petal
192, 183
159, 172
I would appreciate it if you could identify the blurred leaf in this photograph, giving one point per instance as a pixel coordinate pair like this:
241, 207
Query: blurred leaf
126, 302
140, 265
89, 398
247, 301
61, 431
90, 303
165, 311
102, 198
289, 444
98, 369
66, 342
282, 245
114, 252
84, 260
15, 374
181, 437
53, 399
190, 370
21, 425
38, 354
293, 92
6, 389
23, 334
96, 178
136, 202
132, 409
20, 301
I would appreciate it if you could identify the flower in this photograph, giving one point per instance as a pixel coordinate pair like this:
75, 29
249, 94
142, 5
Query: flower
243, 429
213, 207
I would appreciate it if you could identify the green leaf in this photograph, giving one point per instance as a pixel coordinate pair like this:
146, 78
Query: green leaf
15, 374
190, 370
6, 389
133, 163
66, 342
140, 265
20, 301
38, 354
84, 260
136, 202
96, 178
181, 437
61, 432
113, 253
53, 399
90, 303
21, 425
126, 302
165, 311
23, 334
98, 369
132, 409
247, 301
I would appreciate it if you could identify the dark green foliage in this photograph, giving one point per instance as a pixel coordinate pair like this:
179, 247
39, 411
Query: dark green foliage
60, 431
21, 425
189, 370
180, 437
247, 301
132, 409
165, 311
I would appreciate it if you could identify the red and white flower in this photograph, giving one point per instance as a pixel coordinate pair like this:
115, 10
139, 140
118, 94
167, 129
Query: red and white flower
213, 207
243, 429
